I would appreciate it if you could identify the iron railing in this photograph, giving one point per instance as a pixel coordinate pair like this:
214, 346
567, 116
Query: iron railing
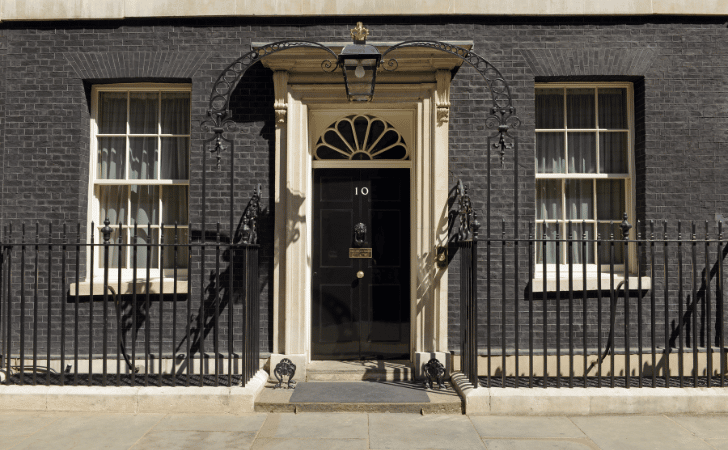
573, 325
102, 313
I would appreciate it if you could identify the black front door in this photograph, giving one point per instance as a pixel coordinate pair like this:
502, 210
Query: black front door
361, 276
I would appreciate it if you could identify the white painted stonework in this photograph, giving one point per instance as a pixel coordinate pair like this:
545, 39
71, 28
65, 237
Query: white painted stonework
123, 9
414, 100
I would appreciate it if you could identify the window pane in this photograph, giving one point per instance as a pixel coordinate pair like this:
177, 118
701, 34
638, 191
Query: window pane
613, 108
112, 113
582, 153
579, 200
581, 252
112, 203
613, 153
143, 108
169, 250
580, 108
175, 113
114, 249
144, 158
550, 230
550, 153
611, 202
549, 108
144, 205
175, 158
145, 243
174, 205
548, 199
111, 158
607, 231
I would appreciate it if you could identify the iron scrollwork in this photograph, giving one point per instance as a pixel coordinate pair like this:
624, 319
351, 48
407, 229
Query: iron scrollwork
219, 118
434, 370
468, 218
502, 115
250, 219
283, 369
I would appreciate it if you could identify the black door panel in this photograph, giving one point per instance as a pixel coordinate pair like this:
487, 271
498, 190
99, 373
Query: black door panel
367, 317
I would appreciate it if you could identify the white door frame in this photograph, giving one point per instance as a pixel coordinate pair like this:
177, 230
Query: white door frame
293, 206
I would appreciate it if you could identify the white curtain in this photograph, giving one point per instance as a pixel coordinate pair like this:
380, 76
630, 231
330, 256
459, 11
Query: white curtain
580, 111
175, 120
174, 205
613, 108
613, 152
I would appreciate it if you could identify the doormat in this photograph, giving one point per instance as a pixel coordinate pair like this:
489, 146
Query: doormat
359, 392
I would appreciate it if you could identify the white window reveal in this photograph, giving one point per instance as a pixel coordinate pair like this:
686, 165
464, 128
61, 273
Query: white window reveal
140, 173
584, 169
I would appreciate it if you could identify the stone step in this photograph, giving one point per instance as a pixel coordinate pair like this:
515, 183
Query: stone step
359, 371
360, 396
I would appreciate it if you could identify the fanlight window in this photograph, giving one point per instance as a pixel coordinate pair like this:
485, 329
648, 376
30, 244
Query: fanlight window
361, 137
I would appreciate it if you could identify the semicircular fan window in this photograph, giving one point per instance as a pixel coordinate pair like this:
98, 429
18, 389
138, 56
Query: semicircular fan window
361, 137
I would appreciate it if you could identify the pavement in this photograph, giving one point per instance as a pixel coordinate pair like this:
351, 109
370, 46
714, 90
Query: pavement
34, 430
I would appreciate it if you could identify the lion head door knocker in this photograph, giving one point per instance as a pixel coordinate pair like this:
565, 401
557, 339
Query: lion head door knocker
285, 368
434, 370
360, 235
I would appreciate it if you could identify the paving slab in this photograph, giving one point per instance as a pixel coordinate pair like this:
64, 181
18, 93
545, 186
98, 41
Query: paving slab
108, 431
310, 444
23, 424
719, 444
638, 432
706, 427
194, 440
540, 444
315, 426
11, 441
411, 431
219, 423
525, 427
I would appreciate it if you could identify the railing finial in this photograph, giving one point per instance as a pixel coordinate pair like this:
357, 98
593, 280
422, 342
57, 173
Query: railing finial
625, 226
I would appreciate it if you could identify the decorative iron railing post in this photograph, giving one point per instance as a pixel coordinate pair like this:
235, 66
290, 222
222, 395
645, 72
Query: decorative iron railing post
467, 242
64, 247
36, 288
653, 303
625, 227
7, 251
106, 230
706, 283
719, 305
4, 351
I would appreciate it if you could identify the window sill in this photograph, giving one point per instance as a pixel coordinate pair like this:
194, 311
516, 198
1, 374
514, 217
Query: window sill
128, 287
592, 282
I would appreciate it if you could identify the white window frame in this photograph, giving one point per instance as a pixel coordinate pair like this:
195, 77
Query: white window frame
629, 193
156, 275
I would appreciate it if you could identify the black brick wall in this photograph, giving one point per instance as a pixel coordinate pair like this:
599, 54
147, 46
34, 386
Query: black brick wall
678, 66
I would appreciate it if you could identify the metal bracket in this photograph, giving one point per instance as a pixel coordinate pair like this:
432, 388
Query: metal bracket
285, 368
434, 370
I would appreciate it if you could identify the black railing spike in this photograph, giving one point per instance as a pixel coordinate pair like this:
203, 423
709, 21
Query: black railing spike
639, 230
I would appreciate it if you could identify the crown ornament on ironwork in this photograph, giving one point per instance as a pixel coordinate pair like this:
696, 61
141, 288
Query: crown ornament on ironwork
359, 34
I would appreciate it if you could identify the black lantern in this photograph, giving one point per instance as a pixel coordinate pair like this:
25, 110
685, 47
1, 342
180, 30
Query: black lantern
359, 61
